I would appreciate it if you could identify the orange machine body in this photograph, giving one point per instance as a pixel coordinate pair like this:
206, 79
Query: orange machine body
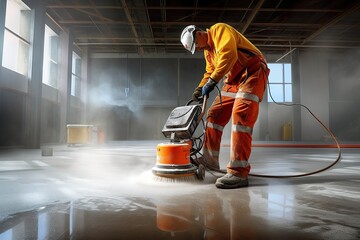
173, 153
173, 160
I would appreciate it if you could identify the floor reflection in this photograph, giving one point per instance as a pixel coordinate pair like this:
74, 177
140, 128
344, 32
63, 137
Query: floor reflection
213, 216
281, 204
104, 218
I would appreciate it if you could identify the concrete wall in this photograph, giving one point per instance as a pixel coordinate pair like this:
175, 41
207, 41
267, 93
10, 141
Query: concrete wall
314, 92
329, 86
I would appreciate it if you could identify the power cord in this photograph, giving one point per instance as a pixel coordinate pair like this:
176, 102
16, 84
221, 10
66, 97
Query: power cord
322, 124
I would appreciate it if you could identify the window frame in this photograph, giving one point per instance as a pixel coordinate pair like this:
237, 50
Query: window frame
17, 64
47, 60
283, 83
75, 76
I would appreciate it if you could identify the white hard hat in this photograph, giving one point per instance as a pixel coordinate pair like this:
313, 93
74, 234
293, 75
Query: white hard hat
187, 38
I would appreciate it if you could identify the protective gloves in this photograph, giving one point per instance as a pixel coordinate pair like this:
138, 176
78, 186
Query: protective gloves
197, 94
208, 87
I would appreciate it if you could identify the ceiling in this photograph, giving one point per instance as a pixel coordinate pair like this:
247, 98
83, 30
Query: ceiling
154, 26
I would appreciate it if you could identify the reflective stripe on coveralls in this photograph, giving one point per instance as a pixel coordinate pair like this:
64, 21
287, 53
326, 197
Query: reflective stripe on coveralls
212, 155
240, 94
249, 96
241, 128
215, 126
238, 164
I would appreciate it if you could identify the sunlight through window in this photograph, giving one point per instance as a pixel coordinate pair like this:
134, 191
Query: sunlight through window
280, 82
51, 52
17, 37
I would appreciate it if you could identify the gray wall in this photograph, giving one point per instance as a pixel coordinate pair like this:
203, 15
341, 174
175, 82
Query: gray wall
330, 86
158, 84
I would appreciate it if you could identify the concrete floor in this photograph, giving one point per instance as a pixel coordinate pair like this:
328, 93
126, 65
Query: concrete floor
109, 192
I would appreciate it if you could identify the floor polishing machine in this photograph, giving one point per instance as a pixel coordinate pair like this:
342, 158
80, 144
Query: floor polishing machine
178, 158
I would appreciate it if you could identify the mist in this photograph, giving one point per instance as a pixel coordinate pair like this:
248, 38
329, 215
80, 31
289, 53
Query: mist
125, 108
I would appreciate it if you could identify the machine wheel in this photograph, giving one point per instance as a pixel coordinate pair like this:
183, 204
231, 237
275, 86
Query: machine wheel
200, 172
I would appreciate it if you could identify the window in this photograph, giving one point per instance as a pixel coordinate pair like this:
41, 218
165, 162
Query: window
51, 52
75, 75
16, 37
8, 234
280, 83
43, 226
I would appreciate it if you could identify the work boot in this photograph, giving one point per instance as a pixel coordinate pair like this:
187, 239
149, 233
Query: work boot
231, 181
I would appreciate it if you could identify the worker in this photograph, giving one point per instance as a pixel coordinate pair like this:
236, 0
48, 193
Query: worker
234, 60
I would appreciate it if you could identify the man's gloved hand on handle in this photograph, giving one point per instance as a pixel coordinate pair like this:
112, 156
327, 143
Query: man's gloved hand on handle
197, 94
208, 87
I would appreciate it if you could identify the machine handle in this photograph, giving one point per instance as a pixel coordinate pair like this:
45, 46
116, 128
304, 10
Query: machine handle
203, 109
202, 100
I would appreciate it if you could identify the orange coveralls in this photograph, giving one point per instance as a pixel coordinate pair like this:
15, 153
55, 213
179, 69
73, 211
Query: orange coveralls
242, 67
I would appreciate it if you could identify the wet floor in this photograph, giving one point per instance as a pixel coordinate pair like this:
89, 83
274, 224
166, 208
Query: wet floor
109, 192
